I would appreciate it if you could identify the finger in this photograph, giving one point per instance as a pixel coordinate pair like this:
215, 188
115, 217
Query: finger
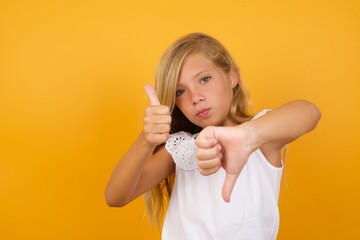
203, 142
150, 92
228, 186
208, 153
157, 119
157, 129
208, 164
206, 172
157, 110
206, 138
157, 138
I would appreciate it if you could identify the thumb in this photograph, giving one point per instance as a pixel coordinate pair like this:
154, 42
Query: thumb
150, 92
228, 186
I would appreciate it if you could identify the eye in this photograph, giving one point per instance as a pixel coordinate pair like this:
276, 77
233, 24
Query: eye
205, 79
179, 92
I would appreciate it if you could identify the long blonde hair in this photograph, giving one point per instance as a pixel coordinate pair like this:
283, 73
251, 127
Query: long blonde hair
165, 84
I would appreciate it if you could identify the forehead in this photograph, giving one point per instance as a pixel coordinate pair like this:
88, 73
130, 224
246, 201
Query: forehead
193, 60
195, 64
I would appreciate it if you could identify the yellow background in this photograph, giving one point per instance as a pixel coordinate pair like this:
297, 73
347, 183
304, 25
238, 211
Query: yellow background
72, 101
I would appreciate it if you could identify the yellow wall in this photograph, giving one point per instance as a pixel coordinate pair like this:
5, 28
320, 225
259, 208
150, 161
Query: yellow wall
72, 100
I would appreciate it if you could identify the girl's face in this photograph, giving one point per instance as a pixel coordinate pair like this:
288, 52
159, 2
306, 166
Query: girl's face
204, 92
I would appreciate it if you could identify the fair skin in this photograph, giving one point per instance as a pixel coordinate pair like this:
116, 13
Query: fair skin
204, 93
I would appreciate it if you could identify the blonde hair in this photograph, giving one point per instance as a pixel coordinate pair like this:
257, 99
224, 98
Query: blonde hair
165, 84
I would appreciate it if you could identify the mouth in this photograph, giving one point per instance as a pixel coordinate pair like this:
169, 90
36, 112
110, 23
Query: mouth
203, 112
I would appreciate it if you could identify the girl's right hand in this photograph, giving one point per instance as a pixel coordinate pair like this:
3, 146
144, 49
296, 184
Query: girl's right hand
157, 119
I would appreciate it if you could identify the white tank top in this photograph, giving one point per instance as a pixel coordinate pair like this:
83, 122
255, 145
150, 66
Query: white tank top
197, 210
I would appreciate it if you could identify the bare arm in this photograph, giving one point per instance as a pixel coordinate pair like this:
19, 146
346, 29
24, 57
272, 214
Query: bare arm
137, 172
230, 147
281, 126
139, 169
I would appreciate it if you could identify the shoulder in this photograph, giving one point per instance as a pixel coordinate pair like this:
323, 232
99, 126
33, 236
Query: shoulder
272, 150
178, 139
182, 148
261, 113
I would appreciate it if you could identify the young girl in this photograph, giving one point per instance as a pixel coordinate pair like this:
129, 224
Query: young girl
199, 128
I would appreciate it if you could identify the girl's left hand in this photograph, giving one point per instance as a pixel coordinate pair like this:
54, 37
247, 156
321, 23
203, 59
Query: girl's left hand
209, 155
227, 147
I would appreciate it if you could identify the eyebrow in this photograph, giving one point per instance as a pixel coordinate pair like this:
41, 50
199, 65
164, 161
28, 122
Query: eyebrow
200, 73
195, 76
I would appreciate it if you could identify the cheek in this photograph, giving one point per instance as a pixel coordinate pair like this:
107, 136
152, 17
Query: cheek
227, 99
181, 105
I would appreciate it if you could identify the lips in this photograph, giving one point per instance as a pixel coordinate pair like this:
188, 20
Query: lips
203, 112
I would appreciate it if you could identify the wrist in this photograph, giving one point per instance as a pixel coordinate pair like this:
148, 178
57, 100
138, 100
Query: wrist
251, 135
145, 144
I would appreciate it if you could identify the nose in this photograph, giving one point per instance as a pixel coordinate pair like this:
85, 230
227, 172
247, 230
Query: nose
196, 99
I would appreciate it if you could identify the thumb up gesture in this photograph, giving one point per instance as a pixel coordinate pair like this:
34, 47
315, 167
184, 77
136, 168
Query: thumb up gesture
157, 119
227, 147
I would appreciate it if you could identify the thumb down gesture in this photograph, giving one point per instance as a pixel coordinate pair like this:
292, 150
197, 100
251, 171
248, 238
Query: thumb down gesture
226, 147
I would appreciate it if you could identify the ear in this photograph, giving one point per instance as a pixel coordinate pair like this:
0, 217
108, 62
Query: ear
233, 79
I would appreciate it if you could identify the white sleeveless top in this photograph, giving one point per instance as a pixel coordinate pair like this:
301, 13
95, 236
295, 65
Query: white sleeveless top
197, 210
